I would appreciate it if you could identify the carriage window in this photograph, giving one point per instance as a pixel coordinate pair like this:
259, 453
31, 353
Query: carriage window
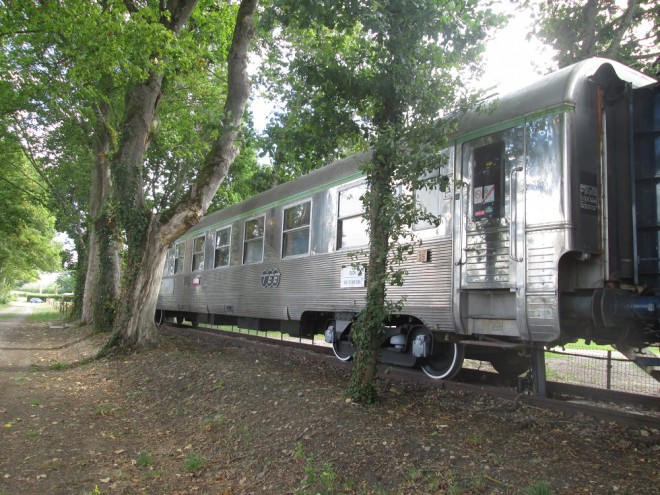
543, 170
179, 250
222, 243
428, 197
295, 230
253, 244
198, 253
351, 227
488, 176
169, 263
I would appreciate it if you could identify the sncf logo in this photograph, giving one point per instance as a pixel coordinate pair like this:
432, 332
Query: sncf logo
270, 278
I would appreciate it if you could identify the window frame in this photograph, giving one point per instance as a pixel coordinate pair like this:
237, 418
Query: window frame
254, 240
341, 219
440, 209
307, 227
178, 266
197, 253
216, 247
168, 269
489, 185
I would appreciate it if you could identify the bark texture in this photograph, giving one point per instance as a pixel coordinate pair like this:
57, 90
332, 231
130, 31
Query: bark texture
149, 235
103, 276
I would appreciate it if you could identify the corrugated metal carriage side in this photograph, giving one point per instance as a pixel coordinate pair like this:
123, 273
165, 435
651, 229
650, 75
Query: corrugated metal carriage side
538, 245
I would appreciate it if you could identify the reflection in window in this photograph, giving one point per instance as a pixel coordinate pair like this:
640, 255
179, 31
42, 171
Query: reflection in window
169, 263
222, 244
179, 250
253, 244
198, 253
488, 176
427, 200
351, 227
295, 235
543, 170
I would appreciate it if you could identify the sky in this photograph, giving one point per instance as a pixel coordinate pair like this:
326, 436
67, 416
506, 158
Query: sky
512, 61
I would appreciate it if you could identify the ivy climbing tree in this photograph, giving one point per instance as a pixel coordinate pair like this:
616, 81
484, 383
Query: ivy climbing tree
388, 70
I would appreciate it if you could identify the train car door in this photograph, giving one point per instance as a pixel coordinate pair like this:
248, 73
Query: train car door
489, 262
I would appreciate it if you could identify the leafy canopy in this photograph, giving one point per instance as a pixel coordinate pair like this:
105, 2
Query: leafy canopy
628, 32
26, 226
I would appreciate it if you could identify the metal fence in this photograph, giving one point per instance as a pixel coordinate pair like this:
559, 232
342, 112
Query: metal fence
602, 368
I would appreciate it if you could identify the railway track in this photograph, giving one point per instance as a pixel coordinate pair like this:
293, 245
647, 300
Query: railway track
624, 408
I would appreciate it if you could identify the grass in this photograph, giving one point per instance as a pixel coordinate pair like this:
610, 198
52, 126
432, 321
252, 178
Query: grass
194, 462
582, 345
320, 479
59, 366
106, 409
540, 488
43, 312
216, 420
145, 459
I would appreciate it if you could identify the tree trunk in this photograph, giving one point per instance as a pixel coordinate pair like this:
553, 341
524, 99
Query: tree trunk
589, 13
368, 330
91, 278
102, 282
134, 325
149, 236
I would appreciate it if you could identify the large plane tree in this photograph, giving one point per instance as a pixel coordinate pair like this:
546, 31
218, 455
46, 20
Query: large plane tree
154, 93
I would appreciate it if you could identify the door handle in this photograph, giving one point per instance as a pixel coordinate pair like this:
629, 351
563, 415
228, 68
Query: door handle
513, 220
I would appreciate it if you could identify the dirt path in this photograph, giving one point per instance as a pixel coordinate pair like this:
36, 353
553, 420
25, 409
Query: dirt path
11, 320
205, 416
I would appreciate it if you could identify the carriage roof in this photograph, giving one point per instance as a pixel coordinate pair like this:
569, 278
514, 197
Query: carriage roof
556, 90
559, 89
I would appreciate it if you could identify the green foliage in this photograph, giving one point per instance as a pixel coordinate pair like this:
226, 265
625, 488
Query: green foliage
319, 479
377, 74
59, 366
44, 296
26, 226
72, 64
106, 409
66, 282
628, 32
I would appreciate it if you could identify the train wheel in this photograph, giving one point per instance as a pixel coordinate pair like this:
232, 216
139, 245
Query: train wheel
179, 320
510, 364
342, 347
445, 362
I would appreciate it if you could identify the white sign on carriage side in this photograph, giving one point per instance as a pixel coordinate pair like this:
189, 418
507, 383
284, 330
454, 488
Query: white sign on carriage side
352, 277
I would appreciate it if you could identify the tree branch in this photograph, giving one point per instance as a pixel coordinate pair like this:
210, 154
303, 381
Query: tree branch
190, 209
626, 21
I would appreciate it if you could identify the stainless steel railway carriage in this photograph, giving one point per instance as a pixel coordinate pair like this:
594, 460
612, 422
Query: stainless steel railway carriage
552, 236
